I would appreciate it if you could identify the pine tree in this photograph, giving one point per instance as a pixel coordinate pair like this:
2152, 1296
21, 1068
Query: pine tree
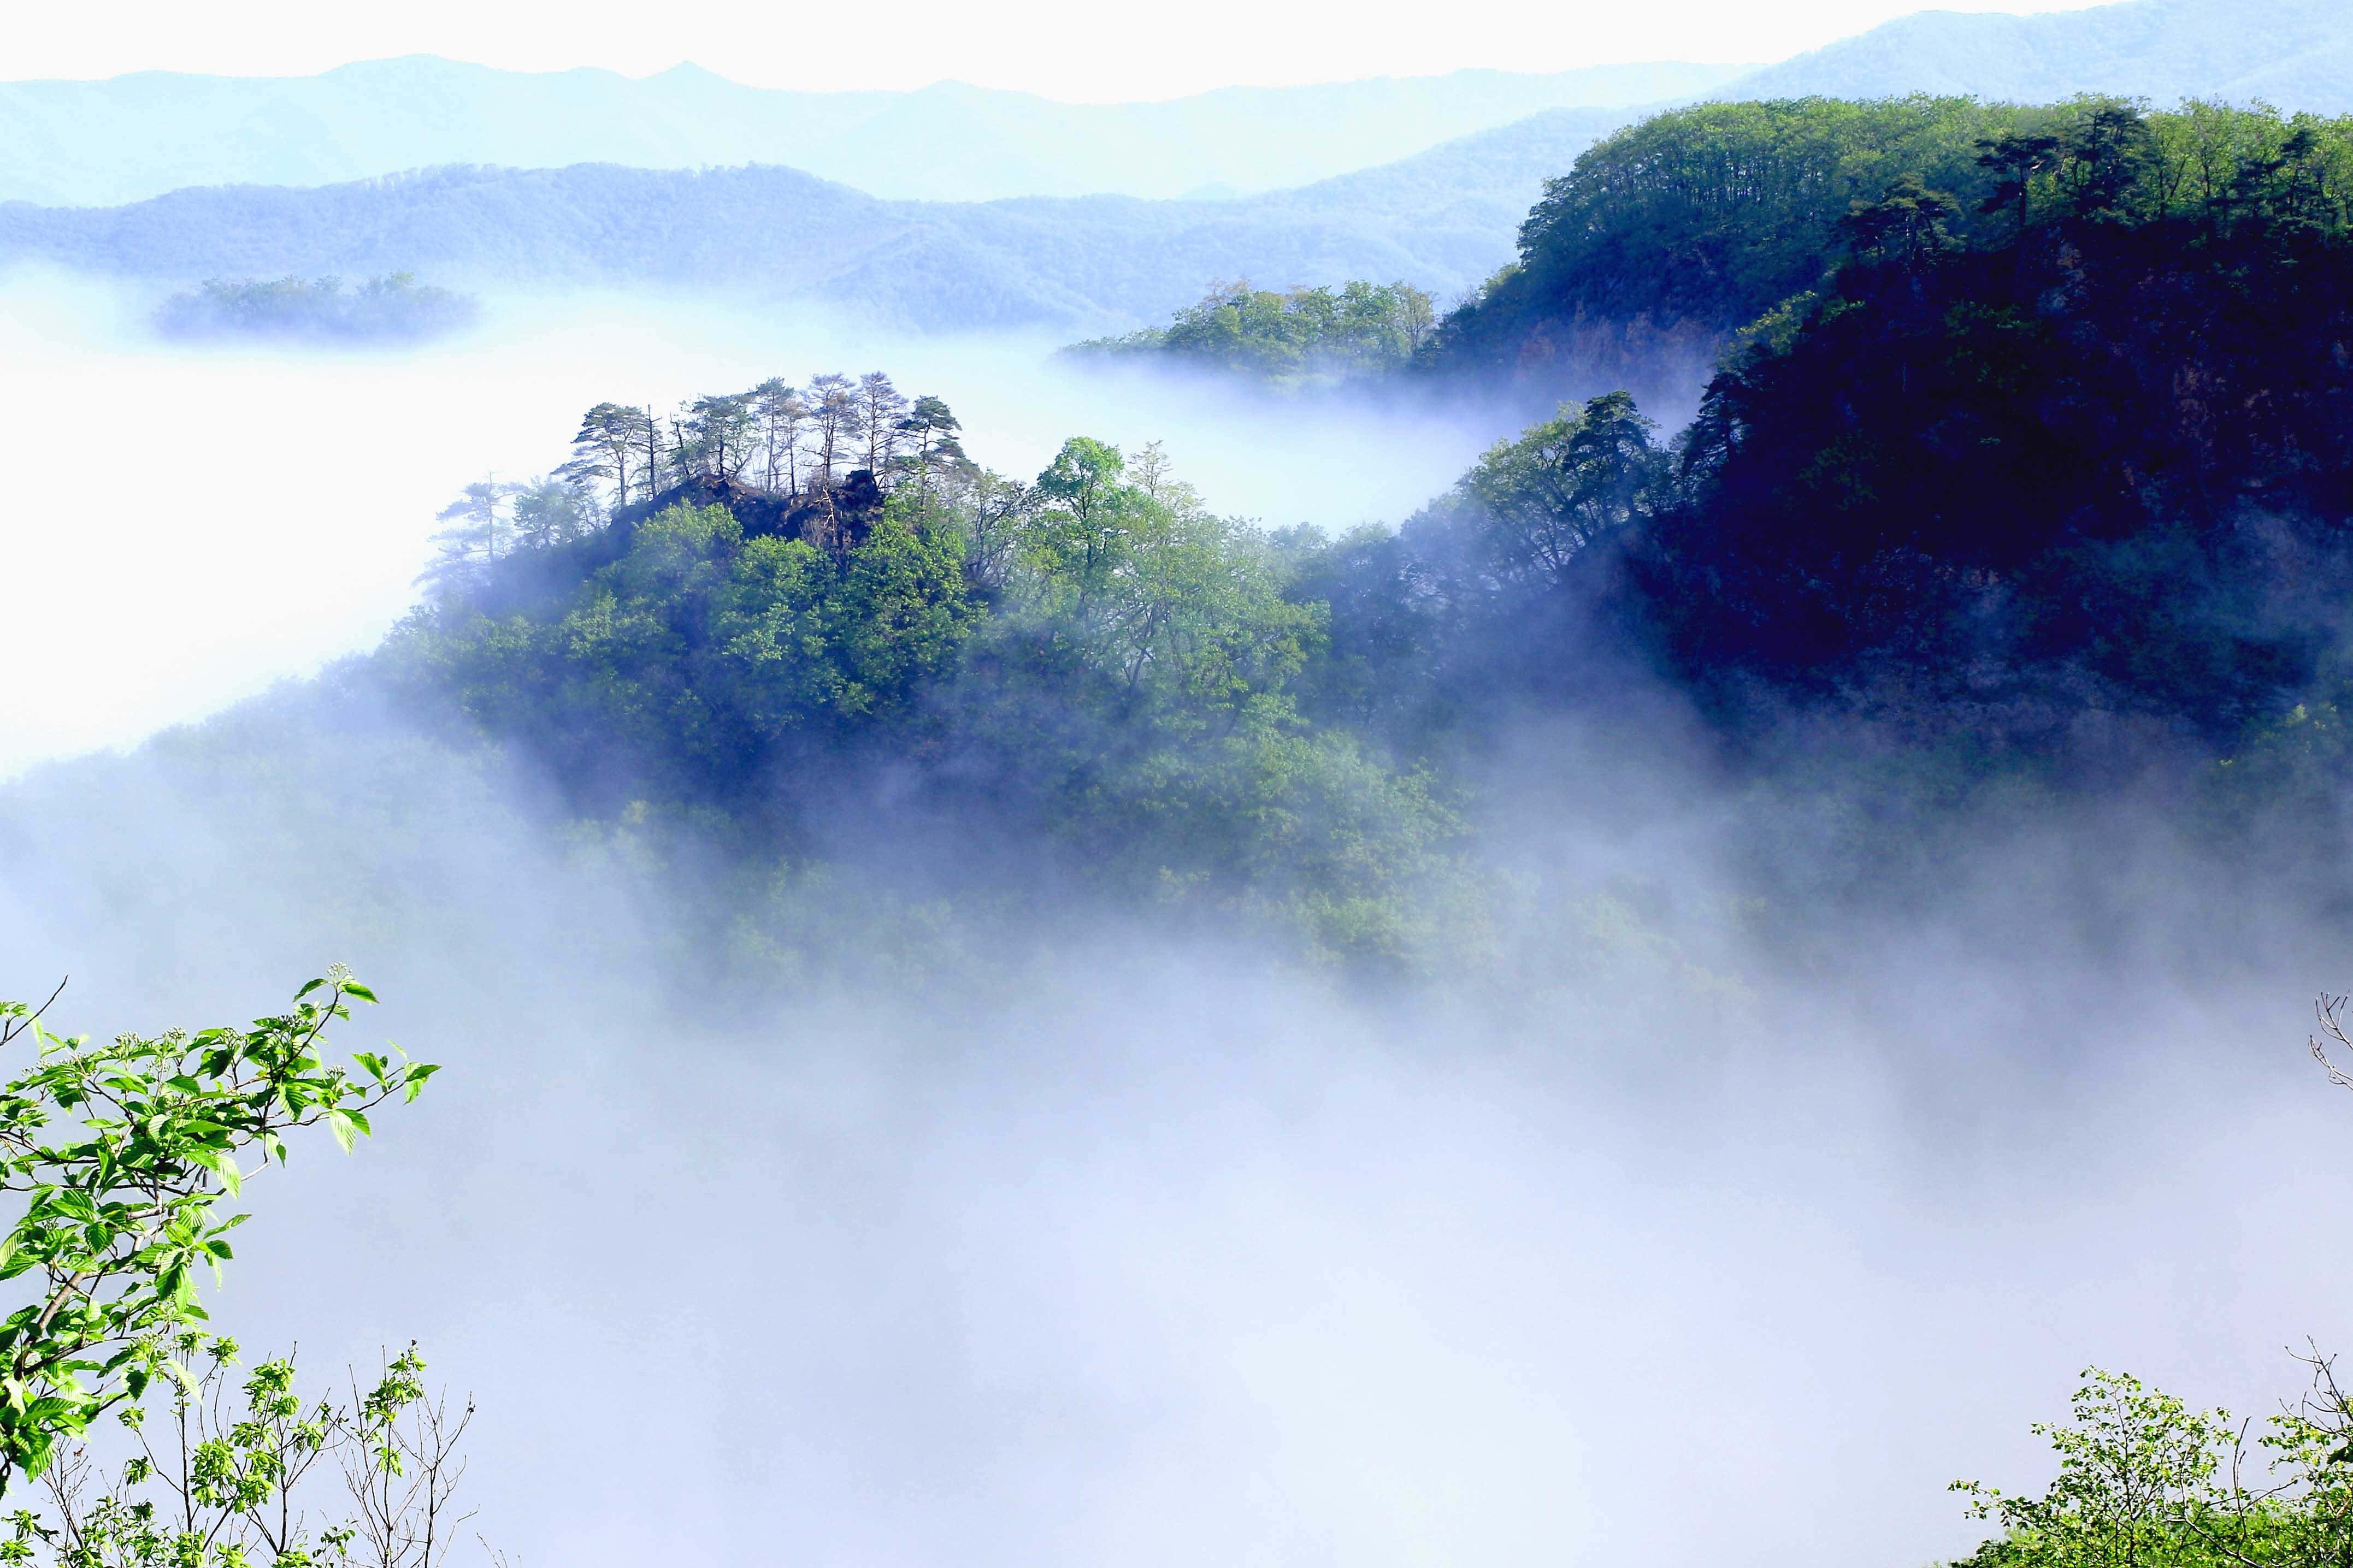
880, 410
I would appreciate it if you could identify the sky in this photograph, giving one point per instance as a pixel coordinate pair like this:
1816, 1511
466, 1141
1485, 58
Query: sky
1060, 49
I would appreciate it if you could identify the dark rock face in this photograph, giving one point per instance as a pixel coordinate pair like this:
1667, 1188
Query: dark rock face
835, 518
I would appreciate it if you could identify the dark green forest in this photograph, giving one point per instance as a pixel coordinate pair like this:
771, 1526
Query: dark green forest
1719, 214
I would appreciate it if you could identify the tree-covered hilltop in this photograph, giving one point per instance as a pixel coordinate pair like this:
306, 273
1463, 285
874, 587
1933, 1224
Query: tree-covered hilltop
1299, 336
802, 592
2077, 444
1676, 232
392, 308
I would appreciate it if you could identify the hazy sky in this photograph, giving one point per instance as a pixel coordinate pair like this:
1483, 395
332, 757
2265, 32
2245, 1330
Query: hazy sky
1063, 49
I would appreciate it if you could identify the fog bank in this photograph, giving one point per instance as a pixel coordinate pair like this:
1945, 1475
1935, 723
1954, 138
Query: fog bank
203, 522
1716, 1219
1169, 1254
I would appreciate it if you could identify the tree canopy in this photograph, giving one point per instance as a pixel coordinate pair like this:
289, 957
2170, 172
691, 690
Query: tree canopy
1715, 214
1093, 654
1294, 337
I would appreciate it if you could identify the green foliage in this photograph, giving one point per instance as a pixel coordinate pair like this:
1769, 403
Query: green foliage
1716, 212
2034, 455
394, 307
1170, 610
1297, 336
1094, 654
214, 1470
1137, 678
124, 1156
2146, 1482
1536, 502
699, 655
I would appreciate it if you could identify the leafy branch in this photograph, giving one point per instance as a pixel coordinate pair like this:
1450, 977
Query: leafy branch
123, 1156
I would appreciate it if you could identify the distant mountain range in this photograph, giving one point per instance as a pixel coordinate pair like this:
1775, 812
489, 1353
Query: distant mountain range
128, 138
132, 137
2294, 54
679, 180
1441, 219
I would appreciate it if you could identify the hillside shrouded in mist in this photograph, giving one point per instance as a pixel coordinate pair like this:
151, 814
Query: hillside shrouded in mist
1116, 1244
1041, 962
252, 558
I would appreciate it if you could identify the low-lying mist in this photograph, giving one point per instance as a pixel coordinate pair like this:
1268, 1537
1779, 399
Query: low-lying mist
204, 521
1725, 1210
1063, 1248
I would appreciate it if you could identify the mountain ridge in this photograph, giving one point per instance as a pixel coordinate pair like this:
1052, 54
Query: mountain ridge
2296, 53
1441, 219
130, 137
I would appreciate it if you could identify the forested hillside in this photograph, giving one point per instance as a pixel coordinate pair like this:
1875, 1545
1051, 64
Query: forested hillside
1638, 264
2044, 483
2099, 457
779, 597
2068, 439
1439, 220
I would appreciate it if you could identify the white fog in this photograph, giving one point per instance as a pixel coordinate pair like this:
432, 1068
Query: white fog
213, 519
1160, 1257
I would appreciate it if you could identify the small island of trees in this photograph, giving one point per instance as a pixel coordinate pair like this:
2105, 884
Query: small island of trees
394, 308
1296, 337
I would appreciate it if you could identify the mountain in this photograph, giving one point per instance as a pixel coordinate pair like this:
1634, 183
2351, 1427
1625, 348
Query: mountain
2294, 54
1442, 219
128, 138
